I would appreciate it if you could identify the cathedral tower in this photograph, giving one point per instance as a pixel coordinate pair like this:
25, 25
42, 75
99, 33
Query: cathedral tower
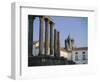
69, 43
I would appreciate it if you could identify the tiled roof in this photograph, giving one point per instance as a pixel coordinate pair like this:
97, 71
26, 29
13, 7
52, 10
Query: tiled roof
74, 49
63, 49
81, 48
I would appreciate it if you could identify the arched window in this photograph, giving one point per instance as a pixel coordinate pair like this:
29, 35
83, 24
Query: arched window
83, 52
84, 58
76, 57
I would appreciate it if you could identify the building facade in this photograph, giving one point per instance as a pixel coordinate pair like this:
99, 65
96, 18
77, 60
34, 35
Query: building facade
78, 55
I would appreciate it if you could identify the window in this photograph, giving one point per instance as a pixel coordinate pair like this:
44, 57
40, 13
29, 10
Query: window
84, 58
76, 57
83, 52
76, 52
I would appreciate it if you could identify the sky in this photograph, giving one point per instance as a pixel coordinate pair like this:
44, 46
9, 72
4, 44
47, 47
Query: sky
77, 27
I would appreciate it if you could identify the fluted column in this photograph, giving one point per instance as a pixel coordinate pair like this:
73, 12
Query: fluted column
41, 35
58, 44
46, 35
55, 42
65, 44
51, 37
30, 34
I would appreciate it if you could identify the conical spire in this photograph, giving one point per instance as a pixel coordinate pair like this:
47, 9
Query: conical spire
69, 37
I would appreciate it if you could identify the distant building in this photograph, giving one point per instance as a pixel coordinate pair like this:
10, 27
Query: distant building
78, 55
36, 48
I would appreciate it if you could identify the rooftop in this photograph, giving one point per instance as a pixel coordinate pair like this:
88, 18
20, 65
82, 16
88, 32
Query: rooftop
74, 49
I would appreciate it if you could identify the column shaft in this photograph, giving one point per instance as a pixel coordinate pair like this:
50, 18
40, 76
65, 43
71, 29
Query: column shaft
51, 37
30, 34
58, 44
41, 35
46, 36
55, 42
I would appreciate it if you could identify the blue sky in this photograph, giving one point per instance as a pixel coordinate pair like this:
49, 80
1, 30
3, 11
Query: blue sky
76, 26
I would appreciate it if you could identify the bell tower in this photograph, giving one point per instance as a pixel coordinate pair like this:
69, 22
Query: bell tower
69, 43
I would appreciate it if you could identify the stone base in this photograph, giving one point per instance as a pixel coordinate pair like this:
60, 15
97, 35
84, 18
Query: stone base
47, 60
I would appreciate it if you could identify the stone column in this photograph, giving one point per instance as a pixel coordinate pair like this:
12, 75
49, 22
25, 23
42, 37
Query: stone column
41, 35
58, 44
30, 34
55, 42
65, 44
51, 37
46, 35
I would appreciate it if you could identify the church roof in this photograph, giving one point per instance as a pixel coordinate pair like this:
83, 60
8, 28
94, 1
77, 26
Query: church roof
81, 48
74, 49
63, 49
